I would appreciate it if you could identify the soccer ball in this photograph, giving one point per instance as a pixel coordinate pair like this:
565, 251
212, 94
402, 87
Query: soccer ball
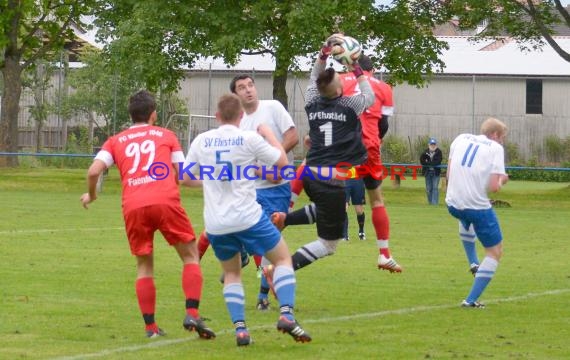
348, 51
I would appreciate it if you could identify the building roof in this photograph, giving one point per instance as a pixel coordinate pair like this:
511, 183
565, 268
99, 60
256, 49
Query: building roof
488, 57
503, 57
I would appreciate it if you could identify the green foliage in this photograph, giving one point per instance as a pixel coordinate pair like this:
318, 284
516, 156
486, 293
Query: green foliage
165, 41
512, 154
395, 149
554, 148
530, 21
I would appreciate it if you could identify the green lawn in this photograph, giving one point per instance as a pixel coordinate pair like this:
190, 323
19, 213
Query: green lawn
67, 282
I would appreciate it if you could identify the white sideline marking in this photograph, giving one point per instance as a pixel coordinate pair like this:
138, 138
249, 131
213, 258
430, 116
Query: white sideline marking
41, 231
161, 343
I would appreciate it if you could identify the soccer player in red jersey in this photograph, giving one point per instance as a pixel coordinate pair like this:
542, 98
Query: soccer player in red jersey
145, 155
374, 126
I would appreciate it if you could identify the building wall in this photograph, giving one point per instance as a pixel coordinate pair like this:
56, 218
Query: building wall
446, 107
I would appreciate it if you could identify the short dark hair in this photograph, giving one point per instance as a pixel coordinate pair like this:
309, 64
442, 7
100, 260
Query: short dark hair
141, 106
237, 78
229, 108
365, 63
325, 83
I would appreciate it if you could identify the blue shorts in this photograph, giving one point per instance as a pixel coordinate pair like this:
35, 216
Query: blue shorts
484, 222
256, 240
354, 190
274, 199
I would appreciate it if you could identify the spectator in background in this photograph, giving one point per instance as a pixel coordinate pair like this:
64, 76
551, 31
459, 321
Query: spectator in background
431, 160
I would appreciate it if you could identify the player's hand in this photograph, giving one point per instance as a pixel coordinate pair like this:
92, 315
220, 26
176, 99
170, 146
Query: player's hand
86, 199
326, 50
335, 39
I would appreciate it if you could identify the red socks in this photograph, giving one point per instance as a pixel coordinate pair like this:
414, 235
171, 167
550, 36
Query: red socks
192, 281
146, 295
203, 244
381, 224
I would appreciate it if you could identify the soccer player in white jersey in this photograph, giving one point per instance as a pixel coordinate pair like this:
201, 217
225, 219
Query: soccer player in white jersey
477, 166
272, 194
233, 218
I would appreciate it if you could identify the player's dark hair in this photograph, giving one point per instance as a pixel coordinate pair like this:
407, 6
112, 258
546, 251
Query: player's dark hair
141, 106
325, 83
229, 108
365, 63
237, 78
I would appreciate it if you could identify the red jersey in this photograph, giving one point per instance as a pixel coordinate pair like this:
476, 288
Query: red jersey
383, 105
144, 155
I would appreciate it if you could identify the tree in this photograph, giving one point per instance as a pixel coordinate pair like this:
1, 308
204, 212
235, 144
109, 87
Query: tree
160, 43
531, 22
29, 30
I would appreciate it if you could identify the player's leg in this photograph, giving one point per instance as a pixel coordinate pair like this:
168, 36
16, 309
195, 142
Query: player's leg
381, 223
488, 231
347, 193
329, 198
264, 238
468, 238
203, 243
178, 232
296, 186
227, 248
140, 233
272, 200
358, 200
234, 296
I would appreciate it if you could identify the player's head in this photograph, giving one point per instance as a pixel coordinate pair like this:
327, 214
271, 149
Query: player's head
328, 84
365, 63
244, 87
229, 110
142, 107
494, 129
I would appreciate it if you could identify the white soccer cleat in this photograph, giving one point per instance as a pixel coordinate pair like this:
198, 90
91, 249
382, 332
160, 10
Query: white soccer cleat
389, 264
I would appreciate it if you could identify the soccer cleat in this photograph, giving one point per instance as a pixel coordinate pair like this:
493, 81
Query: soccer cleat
389, 264
474, 304
268, 273
293, 328
346, 238
362, 236
262, 304
197, 324
243, 338
473, 269
152, 334
278, 219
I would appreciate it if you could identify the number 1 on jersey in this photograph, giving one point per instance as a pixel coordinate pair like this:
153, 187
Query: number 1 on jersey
328, 130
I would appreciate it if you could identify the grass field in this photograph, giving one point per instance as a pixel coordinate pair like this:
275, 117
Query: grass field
67, 283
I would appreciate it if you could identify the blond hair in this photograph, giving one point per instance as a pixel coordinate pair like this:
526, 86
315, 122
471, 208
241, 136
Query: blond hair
492, 125
229, 108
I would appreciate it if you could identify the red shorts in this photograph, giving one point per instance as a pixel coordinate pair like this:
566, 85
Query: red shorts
170, 220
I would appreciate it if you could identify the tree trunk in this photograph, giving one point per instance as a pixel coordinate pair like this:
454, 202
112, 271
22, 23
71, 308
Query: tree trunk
10, 109
280, 82
63, 98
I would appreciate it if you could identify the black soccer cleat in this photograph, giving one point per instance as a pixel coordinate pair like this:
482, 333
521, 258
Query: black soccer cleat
293, 328
197, 324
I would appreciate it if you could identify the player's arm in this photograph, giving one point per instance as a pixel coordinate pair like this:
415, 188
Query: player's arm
496, 181
366, 97
95, 170
290, 139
